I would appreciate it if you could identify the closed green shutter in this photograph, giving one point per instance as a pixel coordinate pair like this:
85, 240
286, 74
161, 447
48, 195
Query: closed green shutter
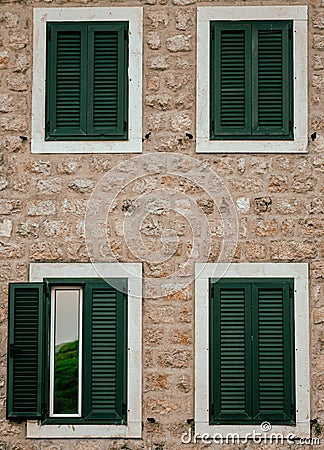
273, 344
271, 83
105, 352
107, 93
86, 87
251, 80
25, 351
251, 352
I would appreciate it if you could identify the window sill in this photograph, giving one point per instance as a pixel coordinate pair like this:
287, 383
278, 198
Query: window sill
36, 430
204, 145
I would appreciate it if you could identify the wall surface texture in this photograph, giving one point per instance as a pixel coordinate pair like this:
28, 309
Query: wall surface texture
278, 201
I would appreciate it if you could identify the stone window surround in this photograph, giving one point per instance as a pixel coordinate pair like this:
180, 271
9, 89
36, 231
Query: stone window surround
133, 272
134, 15
298, 14
297, 271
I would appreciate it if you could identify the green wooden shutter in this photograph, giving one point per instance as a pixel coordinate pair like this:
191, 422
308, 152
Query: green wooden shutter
25, 351
272, 49
105, 356
66, 82
107, 93
273, 367
251, 71
251, 351
230, 76
230, 353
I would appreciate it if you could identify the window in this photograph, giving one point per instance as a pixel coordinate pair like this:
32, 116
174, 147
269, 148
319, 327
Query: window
86, 88
251, 80
251, 351
72, 350
87, 80
256, 97
252, 358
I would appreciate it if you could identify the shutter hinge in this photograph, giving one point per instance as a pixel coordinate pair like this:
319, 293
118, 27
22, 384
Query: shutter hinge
290, 292
48, 126
213, 34
292, 409
212, 409
124, 408
290, 125
213, 126
49, 34
126, 35
44, 410
212, 290
125, 126
290, 33
47, 290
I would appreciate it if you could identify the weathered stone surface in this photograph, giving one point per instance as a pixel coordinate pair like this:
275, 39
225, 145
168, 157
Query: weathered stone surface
262, 204
175, 358
264, 227
153, 40
45, 251
41, 208
18, 41
311, 227
68, 166
17, 83
49, 186
243, 204
184, 19
22, 63
28, 228
181, 122
179, 43
5, 228
10, 251
14, 123
158, 19
159, 63
293, 250
4, 59
255, 251
9, 206
7, 103
81, 185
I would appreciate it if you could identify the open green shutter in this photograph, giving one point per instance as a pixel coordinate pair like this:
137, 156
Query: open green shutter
272, 53
25, 351
230, 79
273, 349
107, 75
105, 352
66, 90
230, 352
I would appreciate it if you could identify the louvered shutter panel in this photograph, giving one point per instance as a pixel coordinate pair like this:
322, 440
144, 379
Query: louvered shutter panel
272, 79
66, 89
107, 74
273, 350
105, 356
25, 351
230, 79
230, 352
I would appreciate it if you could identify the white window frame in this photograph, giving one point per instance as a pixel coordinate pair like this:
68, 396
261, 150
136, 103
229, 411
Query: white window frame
133, 272
297, 271
54, 290
298, 14
134, 15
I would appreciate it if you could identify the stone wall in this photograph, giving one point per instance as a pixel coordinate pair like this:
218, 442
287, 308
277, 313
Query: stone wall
43, 203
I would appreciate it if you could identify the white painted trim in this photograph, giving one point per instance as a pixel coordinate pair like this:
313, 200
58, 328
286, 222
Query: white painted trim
297, 271
298, 14
134, 15
132, 271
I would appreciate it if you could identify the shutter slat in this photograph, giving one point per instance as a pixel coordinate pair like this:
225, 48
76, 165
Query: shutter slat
107, 378
25, 338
